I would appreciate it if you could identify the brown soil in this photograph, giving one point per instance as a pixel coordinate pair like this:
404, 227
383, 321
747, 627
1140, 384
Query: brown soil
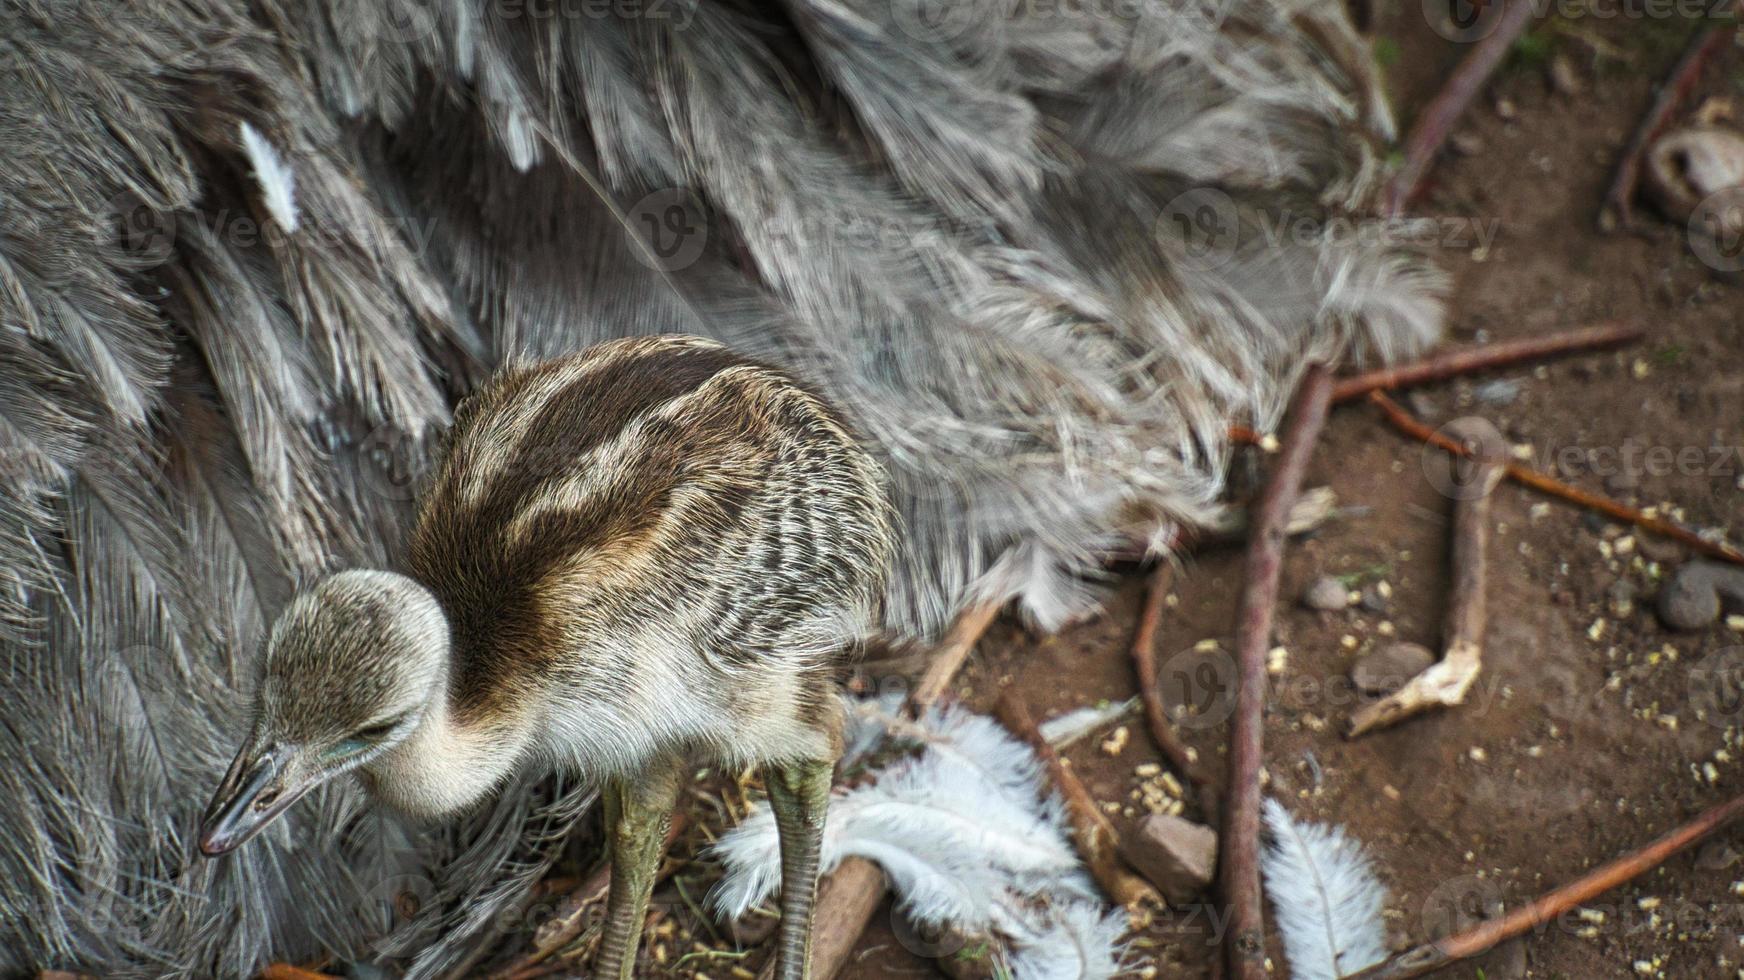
1580, 742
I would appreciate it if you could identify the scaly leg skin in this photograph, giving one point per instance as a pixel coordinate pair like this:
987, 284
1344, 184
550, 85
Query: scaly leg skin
638, 813
799, 793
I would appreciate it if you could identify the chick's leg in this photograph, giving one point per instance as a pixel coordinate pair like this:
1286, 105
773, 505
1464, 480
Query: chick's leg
638, 811
799, 793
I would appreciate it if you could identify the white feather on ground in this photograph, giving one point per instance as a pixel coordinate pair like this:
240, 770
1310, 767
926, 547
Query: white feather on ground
278, 182
969, 837
1325, 897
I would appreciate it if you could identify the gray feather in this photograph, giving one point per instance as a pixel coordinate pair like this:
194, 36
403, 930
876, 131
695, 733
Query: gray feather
954, 233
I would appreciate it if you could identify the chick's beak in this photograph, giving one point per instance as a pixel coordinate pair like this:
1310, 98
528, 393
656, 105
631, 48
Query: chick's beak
258, 787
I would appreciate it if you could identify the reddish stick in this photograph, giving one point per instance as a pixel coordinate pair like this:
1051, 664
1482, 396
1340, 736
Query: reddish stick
1098, 842
1238, 858
1436, 121
1619, 207
287, 971
1144, 663
1486, 935
1452, 363
1545, 483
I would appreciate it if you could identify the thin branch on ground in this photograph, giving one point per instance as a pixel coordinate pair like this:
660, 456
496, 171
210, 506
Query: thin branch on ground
284, 971
1544, 483
569, 920
1144, 663
1446, 682
1470, 360
1619, 207
952, 652
1238, 858
1484, 936
1094, 834
1435, 124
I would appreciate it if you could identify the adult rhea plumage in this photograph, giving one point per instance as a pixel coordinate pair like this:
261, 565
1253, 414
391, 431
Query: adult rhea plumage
251, 252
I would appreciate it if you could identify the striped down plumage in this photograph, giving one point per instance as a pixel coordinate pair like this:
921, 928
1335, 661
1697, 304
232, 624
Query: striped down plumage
252, 253
660, 538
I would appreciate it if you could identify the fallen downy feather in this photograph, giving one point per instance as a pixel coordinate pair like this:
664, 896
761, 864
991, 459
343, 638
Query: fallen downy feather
1325, 897
969, 835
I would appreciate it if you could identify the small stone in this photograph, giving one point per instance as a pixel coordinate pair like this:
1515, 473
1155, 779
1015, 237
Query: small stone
1374, 599
1389, 667
1694, 596
1620, 598
1467, 144
1564, 79
1506, 108
1498, 392
1178, 856
1657, 548
1326, 594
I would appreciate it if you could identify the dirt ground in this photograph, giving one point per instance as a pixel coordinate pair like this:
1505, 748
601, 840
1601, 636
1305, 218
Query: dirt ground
1593, 729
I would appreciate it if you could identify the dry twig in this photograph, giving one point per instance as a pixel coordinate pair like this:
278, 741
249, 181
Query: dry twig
1544, 483
952, 652
1144, 662
287, 971
1446, 682
1471, 360
569, 919
1238, 858
1435, 123
1430, 957
1098, 842
1619, 208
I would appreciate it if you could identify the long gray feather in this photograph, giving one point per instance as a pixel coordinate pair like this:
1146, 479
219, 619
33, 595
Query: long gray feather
957, 229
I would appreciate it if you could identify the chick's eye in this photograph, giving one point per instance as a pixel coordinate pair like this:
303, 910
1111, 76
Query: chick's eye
374, 732
360, 740
346, 749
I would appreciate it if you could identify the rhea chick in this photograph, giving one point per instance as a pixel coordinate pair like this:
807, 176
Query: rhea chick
647, 555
